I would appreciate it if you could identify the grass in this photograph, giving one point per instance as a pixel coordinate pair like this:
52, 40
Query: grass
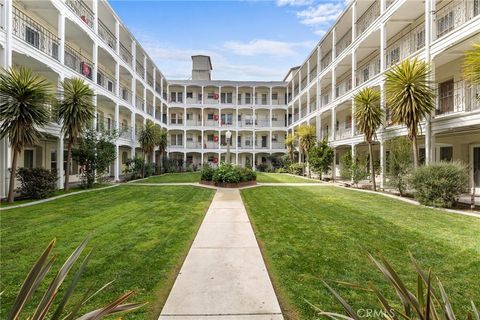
174, 177
282, 178
312, 234
139, 238
5, 204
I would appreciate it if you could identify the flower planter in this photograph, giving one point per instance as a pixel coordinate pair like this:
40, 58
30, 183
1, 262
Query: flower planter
229, 185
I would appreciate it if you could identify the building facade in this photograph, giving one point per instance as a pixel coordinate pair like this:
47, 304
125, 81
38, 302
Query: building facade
70, 38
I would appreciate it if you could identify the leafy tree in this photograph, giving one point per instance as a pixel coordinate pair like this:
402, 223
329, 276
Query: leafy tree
307, 138
399, 163
95, 153
24, 100
471, 65
410, 97
368, 116
161, 143
290, 144
147, 139
345, 163
75, 111
321, 158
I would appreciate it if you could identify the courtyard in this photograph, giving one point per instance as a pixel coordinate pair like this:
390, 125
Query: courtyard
141, 234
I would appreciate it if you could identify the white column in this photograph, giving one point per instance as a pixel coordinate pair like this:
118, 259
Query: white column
8, 21
95, 61
61, 37
354, 20
134, 56
318, 126
117, 36
117, 79
354, 124
145, 68
308, 71
117, 116
184, 100
117, 163
334, 44
334, 164
308, 102
60, 169
254, 97
383, 46
95, 15
271, 92
219, 94
133, 125
334, 123
354, 68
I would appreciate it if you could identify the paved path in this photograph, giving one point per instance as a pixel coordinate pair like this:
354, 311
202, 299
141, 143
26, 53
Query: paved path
224, 275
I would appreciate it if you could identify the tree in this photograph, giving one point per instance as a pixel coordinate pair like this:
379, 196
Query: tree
399, 163
471, 65
307, 138
410, 97
147, 139
161, 143
368, 117
290, 144
75, 111
24, 100
95, 153
321, 158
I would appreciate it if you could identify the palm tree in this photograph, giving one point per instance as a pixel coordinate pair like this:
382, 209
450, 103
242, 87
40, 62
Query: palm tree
471, 65
162, 140
75, 111
307, 138
290, 144
24, 97
147, 139
410, 97
368, 116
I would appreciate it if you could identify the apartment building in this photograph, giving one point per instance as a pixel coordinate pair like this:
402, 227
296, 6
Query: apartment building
368, 38
70, 38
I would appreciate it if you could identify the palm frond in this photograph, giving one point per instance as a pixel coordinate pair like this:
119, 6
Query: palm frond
471, 65
368, 114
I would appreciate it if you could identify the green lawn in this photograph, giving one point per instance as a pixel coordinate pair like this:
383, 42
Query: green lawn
174, 177
139, 237
282, 178
313, 234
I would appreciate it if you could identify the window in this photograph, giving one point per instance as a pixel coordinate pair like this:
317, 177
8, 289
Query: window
446, 153
189, 137
210, 137
210, 116
248, 97
210, 95
348, 122
420, 39
274, 116
227, 97
199, 139
210, 158
393, 56
124, 157
366, 74
55, 50
189, 116
180, 96
28, 158
445, 97
445, 23
274, 96
264, 98
274, 138
421, 155
32, 37
173, 118
189, 95
53, 160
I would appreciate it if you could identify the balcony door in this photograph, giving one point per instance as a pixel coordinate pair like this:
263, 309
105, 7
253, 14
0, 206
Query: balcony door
475, 171
445, 97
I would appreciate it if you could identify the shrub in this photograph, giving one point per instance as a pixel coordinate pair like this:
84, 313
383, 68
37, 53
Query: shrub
296, 168
207, 173
345, 164
399, 163
247, 174
262, 167
226, 173
37, 183
133, 168
320, 158
440, 184
358, 171
149, 169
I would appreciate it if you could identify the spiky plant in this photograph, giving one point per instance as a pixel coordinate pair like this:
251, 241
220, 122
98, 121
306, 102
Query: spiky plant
44, 310
410, 96
307, 137
428, 302
75, 111
147, 138
290, 145
471, 66
24, 100
368, 117
161, 143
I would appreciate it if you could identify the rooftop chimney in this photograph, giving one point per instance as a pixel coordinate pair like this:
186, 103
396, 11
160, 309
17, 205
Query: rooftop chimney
201, 67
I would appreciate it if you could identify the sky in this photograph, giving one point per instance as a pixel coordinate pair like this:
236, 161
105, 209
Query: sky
247, 40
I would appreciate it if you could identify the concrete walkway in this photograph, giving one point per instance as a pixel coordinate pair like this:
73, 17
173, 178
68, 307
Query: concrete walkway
224, 275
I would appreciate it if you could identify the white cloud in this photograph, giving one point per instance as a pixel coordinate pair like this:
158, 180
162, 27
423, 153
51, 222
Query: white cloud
320, 14
282, 3
265, 47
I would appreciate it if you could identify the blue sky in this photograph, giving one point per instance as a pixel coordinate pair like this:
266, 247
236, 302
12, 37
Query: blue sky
247, 40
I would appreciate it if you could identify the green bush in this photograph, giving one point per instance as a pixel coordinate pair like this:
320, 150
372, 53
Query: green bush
226, 173
345, 164
207, 172
399, 163
440, 184
37, 183
247, 174
296, 168
262, 167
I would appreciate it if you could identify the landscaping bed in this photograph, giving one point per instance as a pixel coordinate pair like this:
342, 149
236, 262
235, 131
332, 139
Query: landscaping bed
228, 184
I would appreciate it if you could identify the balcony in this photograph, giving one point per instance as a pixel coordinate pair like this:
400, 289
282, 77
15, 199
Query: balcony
149, 79
278, 123
34, 34
456, 97
211, 145
405, 46
78, 62
262, 123
139, 103
194, 123
140, 69
343, 86
343, 43
193, 145
150, 109
326, 60
126, 132
343, 132
107, 36
125, 54
245, 123
106, 80
82, 11
126, 94
367, 18
313, 74
454, 14
278, 145
368, 70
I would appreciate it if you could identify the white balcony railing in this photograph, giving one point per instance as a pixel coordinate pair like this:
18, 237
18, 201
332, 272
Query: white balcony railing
460, 96
368, 17
454, 14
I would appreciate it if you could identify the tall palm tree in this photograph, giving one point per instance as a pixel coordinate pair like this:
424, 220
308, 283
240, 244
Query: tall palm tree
162, 141
290, 144
307, 137
147, 139
368, 117
24, 99
410, 97
471, 65
75, 111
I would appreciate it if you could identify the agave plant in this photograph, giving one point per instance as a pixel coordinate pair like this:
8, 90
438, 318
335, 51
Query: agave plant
427, 303
44, 308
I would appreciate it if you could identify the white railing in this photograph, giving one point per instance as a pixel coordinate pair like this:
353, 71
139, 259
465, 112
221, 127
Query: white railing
454, 14
463, 98
406, 45
367, 18
343, 132
326, 59
368, 70
343, 43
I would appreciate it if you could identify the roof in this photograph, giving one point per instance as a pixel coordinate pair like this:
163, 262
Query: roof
204, 56
228, 83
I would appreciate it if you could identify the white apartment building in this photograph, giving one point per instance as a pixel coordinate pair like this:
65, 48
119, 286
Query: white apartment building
72, 38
